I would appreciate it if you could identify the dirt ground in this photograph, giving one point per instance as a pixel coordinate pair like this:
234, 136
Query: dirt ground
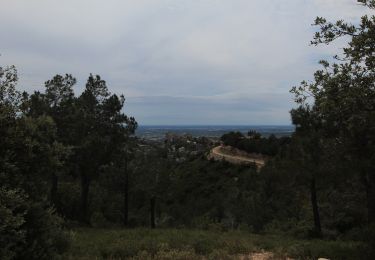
235, 156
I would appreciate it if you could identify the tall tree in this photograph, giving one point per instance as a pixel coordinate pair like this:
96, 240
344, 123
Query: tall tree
57, 102
29, 228
343, 95
309, 158
101, 128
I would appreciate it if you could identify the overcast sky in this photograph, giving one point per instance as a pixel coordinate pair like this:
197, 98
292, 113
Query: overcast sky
176, 61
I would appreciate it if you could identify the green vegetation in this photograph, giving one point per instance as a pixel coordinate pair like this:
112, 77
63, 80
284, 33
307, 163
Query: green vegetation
255, 143
71, 162
196, 244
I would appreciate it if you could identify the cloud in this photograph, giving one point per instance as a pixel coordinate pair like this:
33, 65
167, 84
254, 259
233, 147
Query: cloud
170, 57
230, 108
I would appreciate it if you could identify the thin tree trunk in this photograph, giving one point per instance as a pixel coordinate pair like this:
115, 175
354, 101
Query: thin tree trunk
370, 197
314, 203
126, 193
54, 184
85, 185
152, 211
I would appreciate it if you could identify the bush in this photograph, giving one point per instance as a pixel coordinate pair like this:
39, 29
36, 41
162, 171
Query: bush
45, 237
98, 220
12, 210
28, 229
327, 249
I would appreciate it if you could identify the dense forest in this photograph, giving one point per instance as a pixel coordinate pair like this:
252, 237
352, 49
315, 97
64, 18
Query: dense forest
69, 161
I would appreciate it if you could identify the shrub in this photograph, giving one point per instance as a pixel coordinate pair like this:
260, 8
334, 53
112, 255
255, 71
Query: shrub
28, 229
12, 210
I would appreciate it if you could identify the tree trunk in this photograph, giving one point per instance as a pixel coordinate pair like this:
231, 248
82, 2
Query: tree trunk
152, 211
370, 196
85, 185
126, 194
54, 184
314, 202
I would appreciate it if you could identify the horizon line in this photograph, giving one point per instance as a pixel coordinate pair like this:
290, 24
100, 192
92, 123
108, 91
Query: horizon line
215, 125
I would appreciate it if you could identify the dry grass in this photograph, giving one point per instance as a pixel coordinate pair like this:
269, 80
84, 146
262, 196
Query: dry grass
200, 244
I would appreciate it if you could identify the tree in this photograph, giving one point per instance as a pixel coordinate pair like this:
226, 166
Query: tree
128, 155
309, 159
28, 226
58, 103
151, 169
343, 95
101, 130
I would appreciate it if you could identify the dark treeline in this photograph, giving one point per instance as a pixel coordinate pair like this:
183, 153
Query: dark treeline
255, 143
69, 160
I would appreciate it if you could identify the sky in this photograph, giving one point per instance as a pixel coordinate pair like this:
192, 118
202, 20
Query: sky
202, 62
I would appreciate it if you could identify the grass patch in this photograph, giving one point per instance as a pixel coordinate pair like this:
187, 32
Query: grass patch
198, 244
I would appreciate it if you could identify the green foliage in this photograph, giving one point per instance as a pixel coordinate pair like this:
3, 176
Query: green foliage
12, 216
75, 155
28, 229
213, 191
255, 143
334, 126
9, 96
45, 237
369, 3
28, 151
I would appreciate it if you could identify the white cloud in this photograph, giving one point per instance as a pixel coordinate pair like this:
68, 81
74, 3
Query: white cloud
195, 50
